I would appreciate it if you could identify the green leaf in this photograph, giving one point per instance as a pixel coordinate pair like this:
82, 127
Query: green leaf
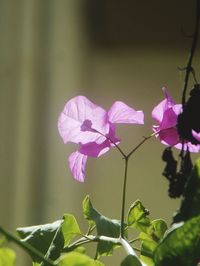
147, 260
180, 246
148, 245
137, 217
151, 239
131, 260
157, 229
78, 259
104, 226
50, 239
44, 238
191, 198
7, 257
70, 228
36, 264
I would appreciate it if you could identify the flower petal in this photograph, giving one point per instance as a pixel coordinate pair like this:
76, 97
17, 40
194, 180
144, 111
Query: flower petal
169, 119
98, 148
169, 136
94, 149
122, 113
77, 163
188, 146
159, 110
75, 113
196, 135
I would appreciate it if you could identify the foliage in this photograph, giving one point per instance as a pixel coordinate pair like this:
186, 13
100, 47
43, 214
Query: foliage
62, 243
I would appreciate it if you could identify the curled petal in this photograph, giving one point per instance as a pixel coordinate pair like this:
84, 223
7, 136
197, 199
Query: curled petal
122, 113
71, 122
77, 163
159, 110
196, 135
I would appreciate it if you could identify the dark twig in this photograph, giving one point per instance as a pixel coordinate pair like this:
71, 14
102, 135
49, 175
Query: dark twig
189, 67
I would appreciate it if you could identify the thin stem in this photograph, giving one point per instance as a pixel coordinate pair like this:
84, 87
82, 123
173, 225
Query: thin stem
189, 68
126, 157
90, 229
119, 149
134, 240
124, 197
140, 144
26, 247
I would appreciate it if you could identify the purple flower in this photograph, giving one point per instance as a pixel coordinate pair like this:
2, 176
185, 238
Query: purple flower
93, 129
166, 115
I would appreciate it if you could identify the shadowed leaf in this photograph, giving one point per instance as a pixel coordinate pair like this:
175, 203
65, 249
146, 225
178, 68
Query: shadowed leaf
51, 238
131, 260
191, 197
180, 246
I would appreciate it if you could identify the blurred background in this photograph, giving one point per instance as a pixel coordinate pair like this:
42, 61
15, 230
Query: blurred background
51, 51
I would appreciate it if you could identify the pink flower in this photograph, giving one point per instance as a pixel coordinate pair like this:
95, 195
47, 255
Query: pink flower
93, 129
166, 115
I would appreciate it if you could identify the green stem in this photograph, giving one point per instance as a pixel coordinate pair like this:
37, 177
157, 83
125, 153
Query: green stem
90, 238
124, 197
126, 157
27, 247
127, 247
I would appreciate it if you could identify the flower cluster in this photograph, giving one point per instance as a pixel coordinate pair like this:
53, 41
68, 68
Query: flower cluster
166, 114
94, 129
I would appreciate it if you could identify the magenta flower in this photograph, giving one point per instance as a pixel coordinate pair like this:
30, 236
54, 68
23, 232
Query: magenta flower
93, 129
166, 114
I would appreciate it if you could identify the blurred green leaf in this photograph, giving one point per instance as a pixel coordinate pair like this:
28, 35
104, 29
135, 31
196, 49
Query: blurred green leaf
2, 241
131, 260
77, 259
104, 226
180, 246
191, 197
137, 217
7, 257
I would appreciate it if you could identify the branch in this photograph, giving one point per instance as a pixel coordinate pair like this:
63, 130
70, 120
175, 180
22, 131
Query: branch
189, 67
